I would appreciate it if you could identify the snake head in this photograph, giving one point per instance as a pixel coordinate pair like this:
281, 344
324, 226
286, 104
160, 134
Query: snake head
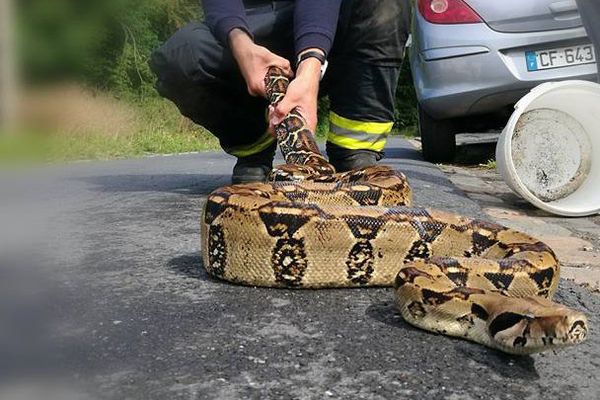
538, 328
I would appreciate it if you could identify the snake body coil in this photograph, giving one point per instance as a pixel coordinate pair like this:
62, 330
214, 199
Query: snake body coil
313, 228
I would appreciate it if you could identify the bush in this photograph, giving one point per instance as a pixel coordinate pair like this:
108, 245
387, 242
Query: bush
103, 44
106, 45
406, 99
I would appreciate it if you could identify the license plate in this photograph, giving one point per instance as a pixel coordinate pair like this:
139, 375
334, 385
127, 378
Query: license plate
560, 57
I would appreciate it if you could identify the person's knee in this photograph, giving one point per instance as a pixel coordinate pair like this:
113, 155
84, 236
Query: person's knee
184, 60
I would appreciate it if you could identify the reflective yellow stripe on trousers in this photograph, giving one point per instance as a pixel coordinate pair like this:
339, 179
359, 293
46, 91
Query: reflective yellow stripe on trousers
358, 135
244, 151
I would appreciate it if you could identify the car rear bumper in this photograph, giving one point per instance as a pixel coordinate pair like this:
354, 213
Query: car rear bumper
461, 70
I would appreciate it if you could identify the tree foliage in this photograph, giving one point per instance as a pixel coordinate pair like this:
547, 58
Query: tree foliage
406, 99
107, 44
104, 44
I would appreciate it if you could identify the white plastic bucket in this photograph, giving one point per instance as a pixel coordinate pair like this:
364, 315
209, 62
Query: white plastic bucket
549, 153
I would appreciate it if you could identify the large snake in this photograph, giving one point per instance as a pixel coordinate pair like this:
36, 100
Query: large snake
310, 227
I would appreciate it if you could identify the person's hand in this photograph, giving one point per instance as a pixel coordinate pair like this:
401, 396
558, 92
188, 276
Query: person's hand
254, 61
302, 94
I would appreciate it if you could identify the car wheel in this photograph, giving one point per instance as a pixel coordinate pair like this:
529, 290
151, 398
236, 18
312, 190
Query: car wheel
438, 140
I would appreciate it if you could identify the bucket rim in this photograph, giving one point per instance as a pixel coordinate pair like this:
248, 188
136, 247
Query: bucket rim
504, 158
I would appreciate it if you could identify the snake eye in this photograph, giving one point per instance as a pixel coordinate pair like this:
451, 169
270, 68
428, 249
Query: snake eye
505, 321
479, 311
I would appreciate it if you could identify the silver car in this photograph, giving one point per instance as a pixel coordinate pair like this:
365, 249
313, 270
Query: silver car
477, 57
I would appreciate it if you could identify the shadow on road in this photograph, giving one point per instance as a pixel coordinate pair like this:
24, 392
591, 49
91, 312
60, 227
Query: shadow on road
191, 184
521, 368
429, 178
474, 154
191, 266
403, 153
386, 313
518, 368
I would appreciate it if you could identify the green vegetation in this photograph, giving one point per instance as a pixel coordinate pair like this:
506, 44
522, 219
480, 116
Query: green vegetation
105, 47
156, 128
490, 164
406, 102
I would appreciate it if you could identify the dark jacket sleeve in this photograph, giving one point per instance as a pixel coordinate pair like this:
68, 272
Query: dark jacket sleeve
315, 23
222, 16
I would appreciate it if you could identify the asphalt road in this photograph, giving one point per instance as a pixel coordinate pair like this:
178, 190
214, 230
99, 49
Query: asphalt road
103, 296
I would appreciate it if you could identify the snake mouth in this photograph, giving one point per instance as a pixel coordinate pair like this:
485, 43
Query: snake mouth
525, 334
578, 331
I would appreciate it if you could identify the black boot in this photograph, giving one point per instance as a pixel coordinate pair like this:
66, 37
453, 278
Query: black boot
254, 168
346, 160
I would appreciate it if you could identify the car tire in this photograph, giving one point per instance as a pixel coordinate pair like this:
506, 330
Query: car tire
438, 140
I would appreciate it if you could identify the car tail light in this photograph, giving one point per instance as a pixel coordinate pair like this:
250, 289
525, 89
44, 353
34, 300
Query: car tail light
448, 12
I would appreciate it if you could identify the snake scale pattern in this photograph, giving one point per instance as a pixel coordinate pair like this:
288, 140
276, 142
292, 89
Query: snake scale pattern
310, 227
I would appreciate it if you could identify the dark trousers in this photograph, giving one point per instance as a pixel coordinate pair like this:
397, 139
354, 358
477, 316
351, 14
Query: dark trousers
590, 16
201, 77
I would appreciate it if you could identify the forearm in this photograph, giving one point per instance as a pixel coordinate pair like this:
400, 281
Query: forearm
309, 70
240, 43
254, 61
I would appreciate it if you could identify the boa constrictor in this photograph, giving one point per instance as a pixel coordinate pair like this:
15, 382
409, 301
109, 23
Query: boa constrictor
310, 227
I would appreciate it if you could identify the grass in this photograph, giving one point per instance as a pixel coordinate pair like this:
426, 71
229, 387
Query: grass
155, 127
490, 164
166, 131
407, 131
69, 123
